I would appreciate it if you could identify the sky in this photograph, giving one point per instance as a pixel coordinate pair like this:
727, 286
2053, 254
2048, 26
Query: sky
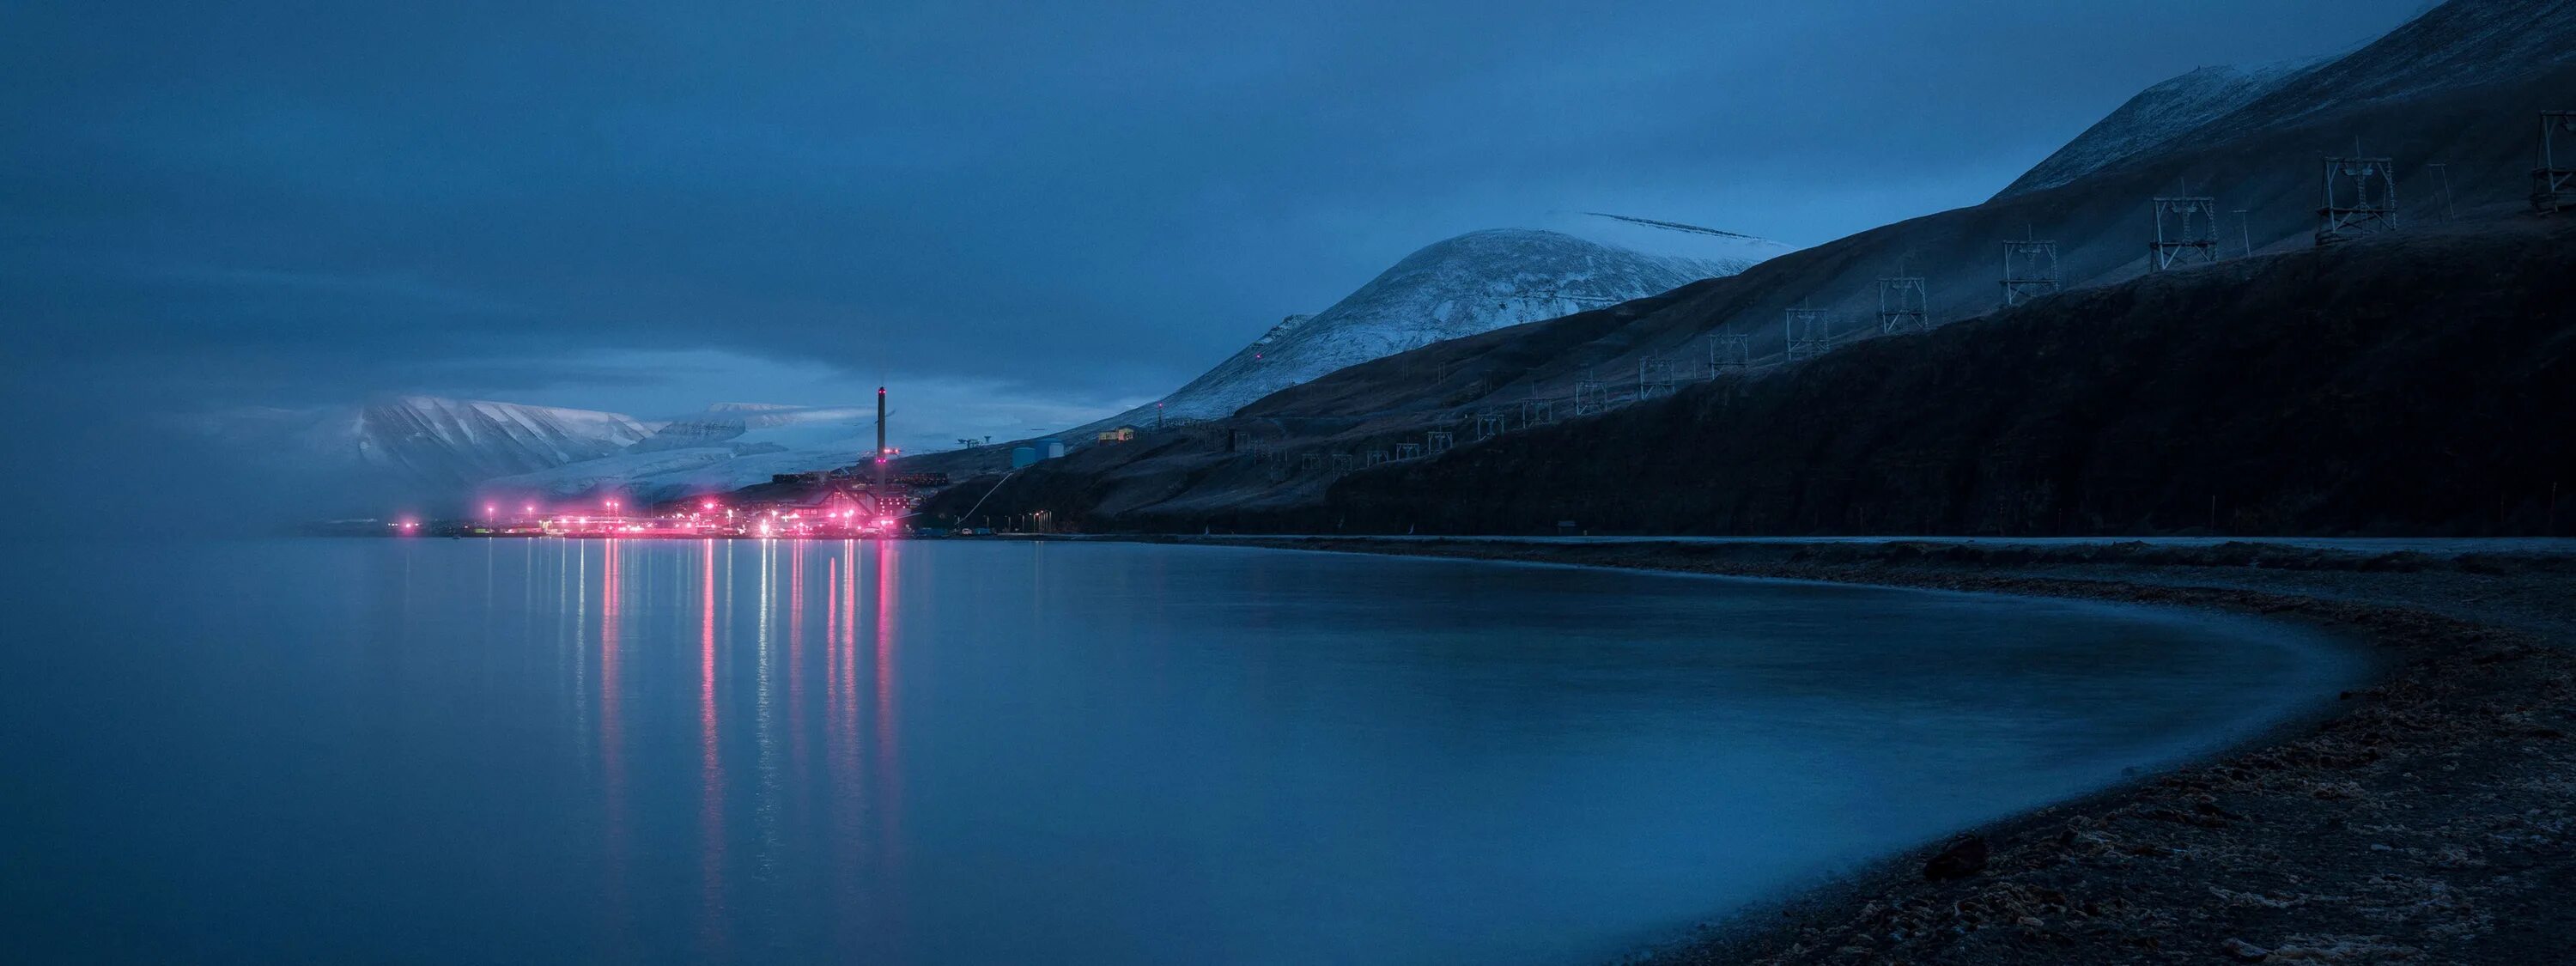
1018, 215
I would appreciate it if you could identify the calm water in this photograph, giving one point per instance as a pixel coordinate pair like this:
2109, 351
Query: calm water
958, 752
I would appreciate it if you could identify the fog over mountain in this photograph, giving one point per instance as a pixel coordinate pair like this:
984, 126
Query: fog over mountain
646, 208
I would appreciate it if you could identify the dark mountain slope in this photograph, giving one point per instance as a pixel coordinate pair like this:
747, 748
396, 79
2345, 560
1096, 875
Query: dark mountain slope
2507, 59
2262, 158
2156, 116
2423, 386
2417, 384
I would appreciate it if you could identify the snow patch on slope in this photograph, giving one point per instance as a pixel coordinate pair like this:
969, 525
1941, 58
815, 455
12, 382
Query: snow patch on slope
2449, 46
444, 441
2159, 115
1473, 283
730, 446
2453, 46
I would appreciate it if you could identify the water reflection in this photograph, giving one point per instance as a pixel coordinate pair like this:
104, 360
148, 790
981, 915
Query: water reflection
889, 770
612, 724
955, 752
711, 831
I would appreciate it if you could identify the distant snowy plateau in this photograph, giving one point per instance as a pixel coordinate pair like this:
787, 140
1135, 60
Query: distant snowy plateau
462, 447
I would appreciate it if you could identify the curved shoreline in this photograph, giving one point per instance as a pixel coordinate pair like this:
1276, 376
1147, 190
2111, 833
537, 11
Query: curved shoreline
2425, 816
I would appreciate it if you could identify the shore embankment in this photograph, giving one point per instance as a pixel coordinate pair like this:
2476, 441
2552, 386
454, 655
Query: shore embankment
2428, 817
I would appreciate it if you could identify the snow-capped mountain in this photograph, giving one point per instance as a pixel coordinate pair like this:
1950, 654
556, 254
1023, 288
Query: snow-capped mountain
2449, 47
463, 441
1473, 283
446, 449
2455, 46
730, 446
2158, 115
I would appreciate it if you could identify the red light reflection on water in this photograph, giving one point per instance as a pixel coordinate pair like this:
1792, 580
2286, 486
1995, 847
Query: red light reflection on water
888, 769
831, 635
845, 663
840, 758
711, 767
796, 659
612, 766
611, 730
850, 639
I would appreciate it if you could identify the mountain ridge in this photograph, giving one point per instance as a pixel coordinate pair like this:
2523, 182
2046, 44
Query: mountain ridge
1462, 285
440, 440
2260, 162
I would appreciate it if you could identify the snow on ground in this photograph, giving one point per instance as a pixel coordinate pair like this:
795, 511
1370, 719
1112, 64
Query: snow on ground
728, 447
2160, 114
1461, 286
464, 440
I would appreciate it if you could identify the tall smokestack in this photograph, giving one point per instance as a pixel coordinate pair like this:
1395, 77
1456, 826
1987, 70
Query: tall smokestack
877, 499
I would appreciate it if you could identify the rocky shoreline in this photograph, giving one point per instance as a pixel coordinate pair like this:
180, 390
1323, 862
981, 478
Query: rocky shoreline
2429, 818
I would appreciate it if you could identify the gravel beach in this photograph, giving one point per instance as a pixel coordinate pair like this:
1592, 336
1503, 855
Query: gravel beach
2429, 817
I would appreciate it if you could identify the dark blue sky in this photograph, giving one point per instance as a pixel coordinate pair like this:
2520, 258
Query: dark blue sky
1017, 213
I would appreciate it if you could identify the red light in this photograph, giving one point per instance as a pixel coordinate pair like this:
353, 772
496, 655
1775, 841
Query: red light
707, 505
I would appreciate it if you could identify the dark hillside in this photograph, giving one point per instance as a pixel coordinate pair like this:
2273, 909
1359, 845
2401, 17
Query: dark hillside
2423, 386
2459, 86
2420, 383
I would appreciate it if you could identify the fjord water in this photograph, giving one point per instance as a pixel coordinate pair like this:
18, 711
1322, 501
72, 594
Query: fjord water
960, 752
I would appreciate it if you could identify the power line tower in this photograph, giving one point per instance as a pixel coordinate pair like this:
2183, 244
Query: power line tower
1408, 451
1489, 423
1536, 411
1439, 441
1729, 352
2361, 199
2030, 270
2186, 232
1903, 305
1654, 376
1591, 396
2553, 187
1809, 333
